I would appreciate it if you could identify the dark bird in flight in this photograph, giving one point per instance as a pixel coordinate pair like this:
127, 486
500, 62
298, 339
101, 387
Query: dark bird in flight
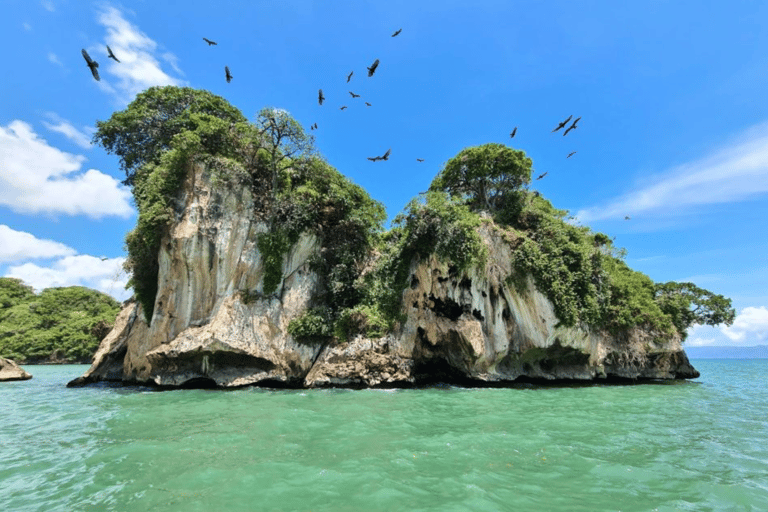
349, 76
229, 75
626, 217
571, 154
385, 156
571, 127
103, 259
512, 135
354, 95
419, 159
320, 97
111, 55
372, 69
312, 127
342, 108
397, 33
562, 124
541, 175
315, 126
367, 104
210, 43
92, 64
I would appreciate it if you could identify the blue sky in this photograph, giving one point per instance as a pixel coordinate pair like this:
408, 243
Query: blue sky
673, 98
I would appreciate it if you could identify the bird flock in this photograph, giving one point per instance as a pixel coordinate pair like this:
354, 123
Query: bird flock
94, 67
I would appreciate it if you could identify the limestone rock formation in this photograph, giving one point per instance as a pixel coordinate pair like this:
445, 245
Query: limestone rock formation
9, 370
213, 324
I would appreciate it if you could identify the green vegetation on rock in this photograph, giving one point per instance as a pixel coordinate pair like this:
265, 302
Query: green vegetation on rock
364, 270
57, 325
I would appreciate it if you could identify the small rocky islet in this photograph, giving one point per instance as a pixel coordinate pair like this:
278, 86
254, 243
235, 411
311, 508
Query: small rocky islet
268, 268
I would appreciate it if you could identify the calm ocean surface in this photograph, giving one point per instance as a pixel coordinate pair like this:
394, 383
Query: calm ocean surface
699, 445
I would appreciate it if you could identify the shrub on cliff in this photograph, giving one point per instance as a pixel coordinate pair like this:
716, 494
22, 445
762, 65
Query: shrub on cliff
63, 324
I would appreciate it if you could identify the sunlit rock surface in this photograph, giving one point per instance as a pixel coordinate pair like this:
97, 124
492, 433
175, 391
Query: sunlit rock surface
213, 325
9, 370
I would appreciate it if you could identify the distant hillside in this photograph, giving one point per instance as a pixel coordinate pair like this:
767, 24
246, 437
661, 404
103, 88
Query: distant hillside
58, 325
757, 352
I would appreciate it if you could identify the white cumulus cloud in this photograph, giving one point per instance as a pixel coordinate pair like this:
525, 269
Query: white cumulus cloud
81, 270
19, 246
750, 325
64, 127
734, 173
38, 178
139, 67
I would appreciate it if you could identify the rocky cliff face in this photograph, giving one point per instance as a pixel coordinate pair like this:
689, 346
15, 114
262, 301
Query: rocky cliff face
213, 325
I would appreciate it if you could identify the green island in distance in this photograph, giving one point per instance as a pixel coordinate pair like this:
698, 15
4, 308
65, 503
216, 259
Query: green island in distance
297, 191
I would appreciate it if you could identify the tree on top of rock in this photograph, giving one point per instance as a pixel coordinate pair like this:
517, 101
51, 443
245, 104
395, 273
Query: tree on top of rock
140, 133
485, 177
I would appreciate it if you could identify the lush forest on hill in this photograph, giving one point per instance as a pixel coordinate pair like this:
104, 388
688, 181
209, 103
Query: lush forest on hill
62, 325
365, 269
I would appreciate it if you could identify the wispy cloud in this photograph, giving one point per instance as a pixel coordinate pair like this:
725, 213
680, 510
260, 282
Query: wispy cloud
139, 66
64, 127
38, 178
54, 59
26, 26
20, 246
48, 5
81, 270
751, 324
736, 172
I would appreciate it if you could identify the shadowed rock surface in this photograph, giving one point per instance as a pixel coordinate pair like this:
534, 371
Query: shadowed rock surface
213, 325
9, 370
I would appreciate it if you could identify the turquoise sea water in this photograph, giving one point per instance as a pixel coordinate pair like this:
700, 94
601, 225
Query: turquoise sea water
699, 445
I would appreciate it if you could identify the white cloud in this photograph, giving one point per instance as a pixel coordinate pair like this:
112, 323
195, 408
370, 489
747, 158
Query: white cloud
54, 59
36, 178
138, 68
750, 325
18, 246
26, 26
48, 5
734, 173
83, 270
64, 127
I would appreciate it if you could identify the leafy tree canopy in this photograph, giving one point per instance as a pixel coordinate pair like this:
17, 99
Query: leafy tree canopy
140, 133
689, 305
486, 177
13, 291
63, 324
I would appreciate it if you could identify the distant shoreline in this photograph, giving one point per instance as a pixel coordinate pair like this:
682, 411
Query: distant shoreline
712, 352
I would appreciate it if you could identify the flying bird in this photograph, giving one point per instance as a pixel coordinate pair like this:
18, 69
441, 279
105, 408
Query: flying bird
349, 76
571, 154
626, 217
571, 127
372, 69
229, 75
210, 43
397, 33
111, 55
385, 156
562, 124
419, 159
320, 97
315, 126
354, 95
367, 104
103, 259
542, 175
92, 64
342, 108
512, 135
